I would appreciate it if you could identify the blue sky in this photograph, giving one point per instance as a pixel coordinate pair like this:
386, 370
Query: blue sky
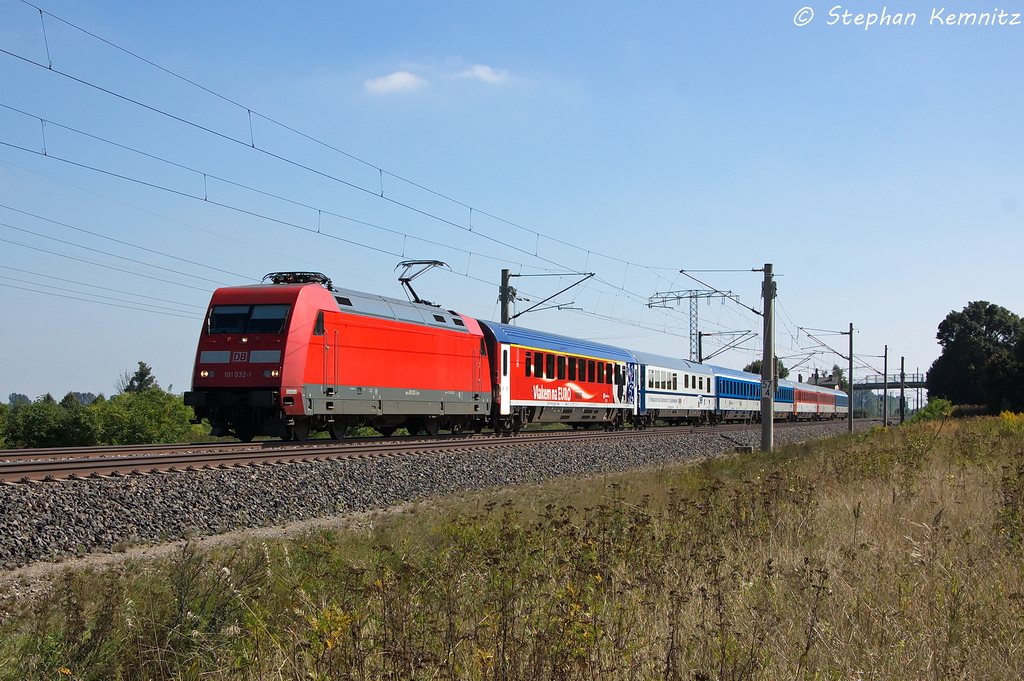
879, 170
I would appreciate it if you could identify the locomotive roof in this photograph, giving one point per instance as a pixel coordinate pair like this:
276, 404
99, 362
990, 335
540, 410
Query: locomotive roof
382, 307
663, 362
505, 333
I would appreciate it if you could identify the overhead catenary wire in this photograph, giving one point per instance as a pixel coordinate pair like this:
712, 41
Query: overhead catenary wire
279, 221
631, 295
68, 296
250, 111
124, 243
103, 265
97, 295
352, 185
109, 254
51, 277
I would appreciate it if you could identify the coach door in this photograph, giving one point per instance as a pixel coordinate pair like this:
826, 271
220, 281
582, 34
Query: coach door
331, 362
330, 354
504, 380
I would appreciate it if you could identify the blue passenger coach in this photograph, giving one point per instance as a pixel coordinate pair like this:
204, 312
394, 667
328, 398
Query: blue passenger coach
673, 390
739, 394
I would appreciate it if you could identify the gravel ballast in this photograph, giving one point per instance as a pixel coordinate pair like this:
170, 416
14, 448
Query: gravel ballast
51, 520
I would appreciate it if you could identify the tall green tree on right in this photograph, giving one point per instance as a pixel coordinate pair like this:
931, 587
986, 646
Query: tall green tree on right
969, 339
1002, 379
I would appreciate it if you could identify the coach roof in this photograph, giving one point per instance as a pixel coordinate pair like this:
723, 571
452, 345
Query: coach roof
514, 335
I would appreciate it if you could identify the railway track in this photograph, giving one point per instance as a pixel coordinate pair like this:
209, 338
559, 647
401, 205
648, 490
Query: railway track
70, 463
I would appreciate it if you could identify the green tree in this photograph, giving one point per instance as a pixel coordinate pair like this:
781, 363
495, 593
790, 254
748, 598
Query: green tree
840, 375
141, 381
44, 423
969, 338
937, 408
1002, 379
780, 369
147, 417
15, 399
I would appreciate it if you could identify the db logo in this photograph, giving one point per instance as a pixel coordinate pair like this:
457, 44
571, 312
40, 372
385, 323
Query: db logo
239, 356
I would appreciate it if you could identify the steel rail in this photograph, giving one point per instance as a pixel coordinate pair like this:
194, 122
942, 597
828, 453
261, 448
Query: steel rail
45, 453
81, 462
141, 464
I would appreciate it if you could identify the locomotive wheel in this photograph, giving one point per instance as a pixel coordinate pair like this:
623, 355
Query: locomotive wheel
388, 431
300, 431
433, 426
456, 427
245, 433
337, 430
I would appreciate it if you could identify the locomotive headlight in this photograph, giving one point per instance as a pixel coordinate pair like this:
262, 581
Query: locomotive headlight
205, 373
244, 339
275, 373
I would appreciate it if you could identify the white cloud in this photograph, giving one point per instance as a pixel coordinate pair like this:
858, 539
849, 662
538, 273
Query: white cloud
394, 82
486, 74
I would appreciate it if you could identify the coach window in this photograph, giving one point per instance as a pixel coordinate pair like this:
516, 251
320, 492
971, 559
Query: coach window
529, 363
318, 329
538, 364
618, 375
504, 362
700, 383
675, 381
572, 368
591, 371
483, 348
600, 372
551, 366
561, 367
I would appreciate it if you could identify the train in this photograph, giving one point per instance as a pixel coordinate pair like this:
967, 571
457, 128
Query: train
294, 355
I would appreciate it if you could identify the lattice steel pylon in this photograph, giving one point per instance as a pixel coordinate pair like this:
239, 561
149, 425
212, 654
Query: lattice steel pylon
693, 295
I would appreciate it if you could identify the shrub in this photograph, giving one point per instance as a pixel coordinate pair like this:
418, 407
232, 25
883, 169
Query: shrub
150, 416
44, 423
937, 408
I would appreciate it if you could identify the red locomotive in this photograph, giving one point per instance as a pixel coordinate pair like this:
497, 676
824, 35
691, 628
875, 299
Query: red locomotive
295, 355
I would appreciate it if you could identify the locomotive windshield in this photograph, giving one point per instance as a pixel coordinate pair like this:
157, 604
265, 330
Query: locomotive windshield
248, 318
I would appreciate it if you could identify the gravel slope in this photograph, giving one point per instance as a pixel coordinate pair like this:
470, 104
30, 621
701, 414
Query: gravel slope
52, 520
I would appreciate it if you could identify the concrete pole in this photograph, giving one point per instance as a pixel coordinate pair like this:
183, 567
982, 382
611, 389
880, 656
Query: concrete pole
885, 389
849, 380
504, 297
768, 363
903, 387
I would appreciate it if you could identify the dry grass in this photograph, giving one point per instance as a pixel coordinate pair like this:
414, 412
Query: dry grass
895, 555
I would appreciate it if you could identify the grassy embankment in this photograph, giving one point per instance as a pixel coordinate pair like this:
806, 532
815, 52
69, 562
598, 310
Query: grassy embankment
894, 555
